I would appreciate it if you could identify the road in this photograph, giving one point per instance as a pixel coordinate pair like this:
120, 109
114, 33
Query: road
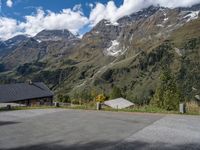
62, 129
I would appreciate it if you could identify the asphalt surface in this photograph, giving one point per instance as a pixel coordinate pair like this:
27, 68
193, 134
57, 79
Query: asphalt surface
58, 129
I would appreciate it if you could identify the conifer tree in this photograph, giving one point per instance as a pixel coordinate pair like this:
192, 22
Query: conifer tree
167, 95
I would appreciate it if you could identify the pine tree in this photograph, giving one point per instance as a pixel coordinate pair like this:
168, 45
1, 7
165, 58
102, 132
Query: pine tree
167, 95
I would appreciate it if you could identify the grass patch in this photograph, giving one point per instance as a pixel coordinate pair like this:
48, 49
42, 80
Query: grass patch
27, 108
192, 109
143, 109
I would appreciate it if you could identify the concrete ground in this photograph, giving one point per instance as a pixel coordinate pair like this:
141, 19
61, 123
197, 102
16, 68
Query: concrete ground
58, 129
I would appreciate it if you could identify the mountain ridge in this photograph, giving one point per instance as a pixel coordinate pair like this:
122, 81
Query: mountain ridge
129, 55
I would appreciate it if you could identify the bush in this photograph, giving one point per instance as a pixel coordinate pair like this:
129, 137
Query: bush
84, 96
116, 93
63, 98
192, 107
66, 99
75, 101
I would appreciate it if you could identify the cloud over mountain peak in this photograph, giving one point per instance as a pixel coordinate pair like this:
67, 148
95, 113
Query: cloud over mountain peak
66, 19
111, 12
74, 19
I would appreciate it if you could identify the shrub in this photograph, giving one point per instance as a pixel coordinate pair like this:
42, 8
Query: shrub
116, 93
75, 101
192, 107
63, 98
66, 99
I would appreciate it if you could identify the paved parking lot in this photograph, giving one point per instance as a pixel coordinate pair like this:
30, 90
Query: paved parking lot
59, 129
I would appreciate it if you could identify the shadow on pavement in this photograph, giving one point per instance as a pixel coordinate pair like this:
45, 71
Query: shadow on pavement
4, 123
103, 145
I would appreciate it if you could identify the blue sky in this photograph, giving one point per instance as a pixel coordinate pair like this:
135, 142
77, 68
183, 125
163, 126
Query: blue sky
78, 16
21, 8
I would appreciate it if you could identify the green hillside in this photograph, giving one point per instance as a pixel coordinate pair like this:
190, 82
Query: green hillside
84, 68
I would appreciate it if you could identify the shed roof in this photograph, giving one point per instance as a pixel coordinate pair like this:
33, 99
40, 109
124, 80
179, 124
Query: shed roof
23, 91
119, 103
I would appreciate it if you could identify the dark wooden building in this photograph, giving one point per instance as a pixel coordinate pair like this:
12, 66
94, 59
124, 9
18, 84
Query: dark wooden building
30, 94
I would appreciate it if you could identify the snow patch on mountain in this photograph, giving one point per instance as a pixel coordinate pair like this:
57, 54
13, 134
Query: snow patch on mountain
178, 51
160, 25
39, 41
192, 16
112, 24
165, 19
165, 15
109, 23
114, 49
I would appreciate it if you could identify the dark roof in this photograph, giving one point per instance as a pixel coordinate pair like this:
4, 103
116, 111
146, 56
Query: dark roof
23, 91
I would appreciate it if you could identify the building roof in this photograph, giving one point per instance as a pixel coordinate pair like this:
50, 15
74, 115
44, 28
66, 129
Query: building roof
119, 103
23, 91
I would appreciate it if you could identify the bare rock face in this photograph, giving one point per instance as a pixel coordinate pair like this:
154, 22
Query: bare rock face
47, 44
145, 13
10, 44
150, 25
54, 35
193, 8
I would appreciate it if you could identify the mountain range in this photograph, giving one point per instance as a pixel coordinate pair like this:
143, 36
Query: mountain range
128, 54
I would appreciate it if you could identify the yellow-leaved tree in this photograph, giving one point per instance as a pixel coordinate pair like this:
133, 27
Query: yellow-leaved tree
100, 98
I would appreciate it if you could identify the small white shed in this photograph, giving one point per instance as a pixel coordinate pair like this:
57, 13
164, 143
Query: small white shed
119, 103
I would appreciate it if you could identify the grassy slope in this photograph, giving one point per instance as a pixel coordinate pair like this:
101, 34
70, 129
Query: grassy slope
136, 75
187, 39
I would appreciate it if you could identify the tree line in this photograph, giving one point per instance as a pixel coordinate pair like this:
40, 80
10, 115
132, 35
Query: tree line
166, 96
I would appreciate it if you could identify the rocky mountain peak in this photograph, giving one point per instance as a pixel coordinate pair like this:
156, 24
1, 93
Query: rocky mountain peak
54, 35
193, 8
105, 30
12, 43
142, 14
16, 40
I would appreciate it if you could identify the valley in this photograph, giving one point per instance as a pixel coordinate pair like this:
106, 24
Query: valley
129, 55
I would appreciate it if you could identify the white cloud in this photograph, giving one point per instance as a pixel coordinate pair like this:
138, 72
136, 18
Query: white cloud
9, 3
8, 28
78, 7
97, 14
91, 5
66, 19
111, 12
177, 3
74, 19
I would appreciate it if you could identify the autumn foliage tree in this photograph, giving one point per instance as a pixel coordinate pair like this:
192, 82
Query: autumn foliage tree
100, 98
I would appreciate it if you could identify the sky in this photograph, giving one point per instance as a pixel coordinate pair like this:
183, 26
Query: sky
78, 16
